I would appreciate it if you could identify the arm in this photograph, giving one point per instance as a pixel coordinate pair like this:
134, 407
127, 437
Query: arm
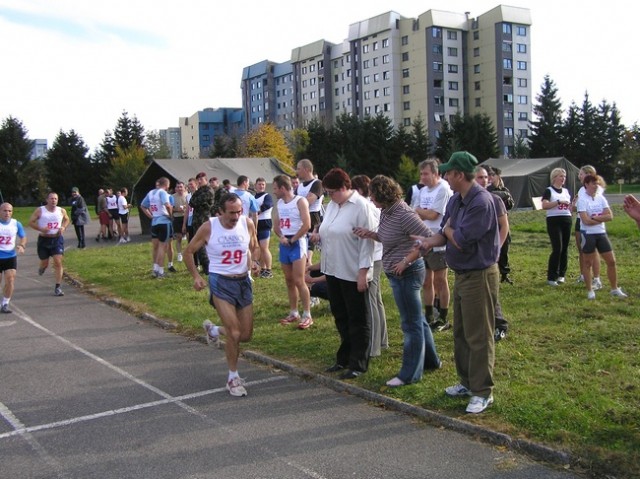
33, 221
65, 221
303, 208
254, 246
427, 214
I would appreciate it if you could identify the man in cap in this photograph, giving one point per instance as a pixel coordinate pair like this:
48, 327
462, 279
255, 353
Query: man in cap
470, 232
202, 202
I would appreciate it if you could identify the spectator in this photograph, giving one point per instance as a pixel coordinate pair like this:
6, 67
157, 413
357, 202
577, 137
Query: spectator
497, 187
79, 215
405, 270
180, 208
157, 207
584, 171
265, 205
123, 213
347, 263
203, 203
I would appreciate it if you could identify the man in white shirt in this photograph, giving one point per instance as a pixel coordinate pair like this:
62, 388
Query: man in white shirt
434, 196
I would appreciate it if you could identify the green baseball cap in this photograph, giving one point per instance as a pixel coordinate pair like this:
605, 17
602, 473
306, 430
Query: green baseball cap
460, 161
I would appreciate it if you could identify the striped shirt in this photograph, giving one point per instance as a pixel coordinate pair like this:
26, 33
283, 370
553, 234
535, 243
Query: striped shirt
397, 223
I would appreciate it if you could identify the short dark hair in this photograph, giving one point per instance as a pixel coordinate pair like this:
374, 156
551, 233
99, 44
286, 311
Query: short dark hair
335, 179
361, 183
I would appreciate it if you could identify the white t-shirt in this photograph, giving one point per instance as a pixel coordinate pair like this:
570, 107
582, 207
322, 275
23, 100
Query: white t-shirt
122, 205
593, 206
435, 199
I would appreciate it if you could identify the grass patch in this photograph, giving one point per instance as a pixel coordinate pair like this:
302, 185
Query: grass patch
568, 375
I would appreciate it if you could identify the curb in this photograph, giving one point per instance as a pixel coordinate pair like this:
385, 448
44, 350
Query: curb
536, 451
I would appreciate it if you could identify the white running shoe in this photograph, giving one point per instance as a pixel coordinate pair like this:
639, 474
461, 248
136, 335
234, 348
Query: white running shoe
560, 280
236, 387
618, 293
478, 404
552, 283
457, 390
596, 284
179, 257
208, 329
591, 295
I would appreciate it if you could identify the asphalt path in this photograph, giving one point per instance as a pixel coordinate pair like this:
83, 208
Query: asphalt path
89, 391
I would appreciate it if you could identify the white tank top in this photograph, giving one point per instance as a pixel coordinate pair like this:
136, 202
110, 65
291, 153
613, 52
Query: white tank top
227, 248
303, 190
266, 214
112, 202
559, 210
50, 220
8, 235
290, 221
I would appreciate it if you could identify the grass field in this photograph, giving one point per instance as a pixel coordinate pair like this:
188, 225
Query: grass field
568, 374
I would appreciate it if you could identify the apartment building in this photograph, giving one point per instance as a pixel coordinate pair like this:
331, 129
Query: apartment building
431, 67
172, 138
198, 132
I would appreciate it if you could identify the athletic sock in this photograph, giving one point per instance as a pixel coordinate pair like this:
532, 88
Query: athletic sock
233, 375
443, 313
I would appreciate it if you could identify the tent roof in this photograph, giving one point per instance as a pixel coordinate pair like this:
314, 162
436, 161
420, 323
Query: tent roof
523, 166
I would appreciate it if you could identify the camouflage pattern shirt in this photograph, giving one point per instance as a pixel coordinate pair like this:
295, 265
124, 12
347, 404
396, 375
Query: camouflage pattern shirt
202, 202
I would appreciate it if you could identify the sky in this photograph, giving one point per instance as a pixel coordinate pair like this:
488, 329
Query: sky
77, 64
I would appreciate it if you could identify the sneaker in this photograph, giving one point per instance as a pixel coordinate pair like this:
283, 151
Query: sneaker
266, 274
236, 387
315, 301
478, 404
208, 329
499, 334
292, 318
552, 283
128, 239
560, 280
438, 323
580, 279
457, 391
41, 271
5, 309
179, 257
596, 284
58, 291
122, 241
618, 293
158, 275
591, 295
444, 327
305, 322
395, 382
172, 269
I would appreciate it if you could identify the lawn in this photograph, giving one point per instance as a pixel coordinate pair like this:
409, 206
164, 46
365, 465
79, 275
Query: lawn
568, 374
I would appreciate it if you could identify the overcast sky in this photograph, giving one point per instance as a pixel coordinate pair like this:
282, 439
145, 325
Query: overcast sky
77, 64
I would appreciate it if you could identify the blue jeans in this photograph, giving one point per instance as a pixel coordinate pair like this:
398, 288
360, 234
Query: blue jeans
419, 350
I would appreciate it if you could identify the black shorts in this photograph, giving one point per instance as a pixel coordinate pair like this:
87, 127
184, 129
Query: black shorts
162, 232
114, 214
48, 247
177, 225
592, 242
8, 263
124, 218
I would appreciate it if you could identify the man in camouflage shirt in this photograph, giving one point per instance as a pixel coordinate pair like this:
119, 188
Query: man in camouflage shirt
202, 202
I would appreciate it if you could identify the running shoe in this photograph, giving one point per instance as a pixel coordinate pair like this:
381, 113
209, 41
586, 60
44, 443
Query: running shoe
596, 284
172, 269
58, 291
591, 295
315, 301
618, 293
208, 329
236, 387
41, 271
5, 309
179, 257
457, 391
478, 404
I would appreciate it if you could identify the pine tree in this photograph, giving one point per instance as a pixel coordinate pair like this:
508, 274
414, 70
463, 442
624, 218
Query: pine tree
546, 131
15, 150
67, 163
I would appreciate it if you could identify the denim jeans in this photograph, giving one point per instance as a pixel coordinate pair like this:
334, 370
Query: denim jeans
419, 350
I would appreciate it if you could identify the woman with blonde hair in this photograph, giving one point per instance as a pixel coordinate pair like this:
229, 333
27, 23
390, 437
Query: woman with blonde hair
556, 200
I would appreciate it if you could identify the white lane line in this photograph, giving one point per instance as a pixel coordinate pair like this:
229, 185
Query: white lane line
15, 423
21, 429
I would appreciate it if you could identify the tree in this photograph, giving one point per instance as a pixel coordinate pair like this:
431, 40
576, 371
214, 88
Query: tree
299, 143
521, 148
126, 167
476, 135
546, 130
445, 144
15, 150
628, 163
322, 148
156, 147
67, 164
420, 145
408, 172
34, 181
267, 141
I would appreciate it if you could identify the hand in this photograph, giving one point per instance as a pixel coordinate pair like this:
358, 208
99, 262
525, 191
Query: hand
255, 267
199, 284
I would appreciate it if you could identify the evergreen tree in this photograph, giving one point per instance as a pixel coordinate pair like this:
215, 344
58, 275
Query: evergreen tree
156, 147
521, 148
34, 181
15, 151
628, 161
475, 134
420, 146
571, 137
546, 137
67, 163
378, 156
445, 144
613, 138
407, 172
322, 148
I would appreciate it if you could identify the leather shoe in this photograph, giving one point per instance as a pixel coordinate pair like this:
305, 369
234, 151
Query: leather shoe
335, 368
349, 374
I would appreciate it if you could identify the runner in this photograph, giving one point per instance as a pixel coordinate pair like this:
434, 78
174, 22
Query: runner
10, 230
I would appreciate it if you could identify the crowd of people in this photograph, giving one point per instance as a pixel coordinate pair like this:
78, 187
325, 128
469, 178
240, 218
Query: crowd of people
455, 218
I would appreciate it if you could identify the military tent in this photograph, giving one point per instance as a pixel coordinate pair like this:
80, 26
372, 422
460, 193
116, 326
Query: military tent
183, 169
527, 178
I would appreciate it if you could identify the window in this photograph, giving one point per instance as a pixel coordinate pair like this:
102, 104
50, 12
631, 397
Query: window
406, 121
367, 95
476, 52
436, 32
406, 105
320, 64
506, 28
523, 116
522, 47
437, 83
405, 73
312, 67
452, 51
452, 35
304, 96
314, 108
337, 92
335, 63
453, 85
375, 46
405, 56
376, 77
451, 68
312, 95
506, 47
437, 49
405, 41
405, 89
385, 59
478, 102
365, 48
385, 42
508, 81
387, 107
476, 35
367, 110
476, 86
437, 66
438, 100
386, 75
386, 91
506, 64
521, 31
508, 98
508, 115
454, 102
376, 93
523, 133
304, 83
376, 109
375, 62
523, 99
508, 132
367, 80
476, 68
365, 64
304, 70
312, 81
522, 65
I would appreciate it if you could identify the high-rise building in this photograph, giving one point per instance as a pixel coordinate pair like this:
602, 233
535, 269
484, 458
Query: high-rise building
199, 131
172, 138
431, 67
40, 148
